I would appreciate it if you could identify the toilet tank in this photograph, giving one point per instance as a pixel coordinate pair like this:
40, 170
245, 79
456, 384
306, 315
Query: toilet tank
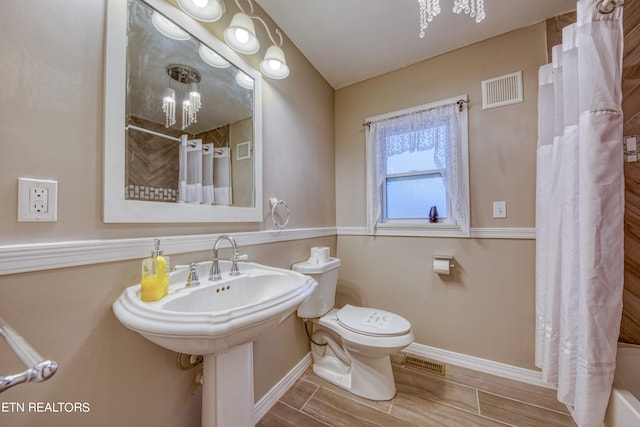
323, 297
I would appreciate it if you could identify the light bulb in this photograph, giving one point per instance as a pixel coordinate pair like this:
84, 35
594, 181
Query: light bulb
242, 35
274, 65
202, 10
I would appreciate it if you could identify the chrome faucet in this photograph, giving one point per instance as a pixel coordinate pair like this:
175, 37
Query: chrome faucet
215, 274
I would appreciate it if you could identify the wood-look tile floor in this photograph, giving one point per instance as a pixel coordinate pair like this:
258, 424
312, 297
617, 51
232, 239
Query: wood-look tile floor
460, 398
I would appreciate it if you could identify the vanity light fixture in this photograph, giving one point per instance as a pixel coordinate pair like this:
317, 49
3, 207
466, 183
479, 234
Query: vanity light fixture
274, 65
240, 35
244, 80
212, 58
203, 10
168, 28
429, 9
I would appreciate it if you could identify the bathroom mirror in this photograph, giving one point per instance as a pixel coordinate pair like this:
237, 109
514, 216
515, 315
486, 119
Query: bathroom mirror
165, 161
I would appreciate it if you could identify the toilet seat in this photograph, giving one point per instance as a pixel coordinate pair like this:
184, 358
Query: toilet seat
372, 322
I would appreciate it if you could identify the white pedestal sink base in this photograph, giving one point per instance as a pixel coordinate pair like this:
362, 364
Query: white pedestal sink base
227, 391
204, 320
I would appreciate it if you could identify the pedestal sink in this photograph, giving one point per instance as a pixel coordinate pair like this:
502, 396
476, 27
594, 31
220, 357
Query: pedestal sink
219, 320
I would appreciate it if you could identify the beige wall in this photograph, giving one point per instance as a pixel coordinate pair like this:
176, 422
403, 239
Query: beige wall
487, 308
241, 170
51, 79
51, 126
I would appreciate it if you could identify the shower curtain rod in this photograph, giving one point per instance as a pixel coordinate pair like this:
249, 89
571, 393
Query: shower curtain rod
173, 138
191, 144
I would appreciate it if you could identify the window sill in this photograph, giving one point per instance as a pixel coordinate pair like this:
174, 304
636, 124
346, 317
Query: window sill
418, 229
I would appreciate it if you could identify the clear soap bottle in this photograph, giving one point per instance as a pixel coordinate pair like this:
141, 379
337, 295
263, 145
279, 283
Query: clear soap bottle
155, 275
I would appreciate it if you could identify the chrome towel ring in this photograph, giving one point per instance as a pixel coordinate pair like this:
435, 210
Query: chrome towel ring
274, 203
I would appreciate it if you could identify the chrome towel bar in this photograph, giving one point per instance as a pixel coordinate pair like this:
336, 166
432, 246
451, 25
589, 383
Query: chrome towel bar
38, 369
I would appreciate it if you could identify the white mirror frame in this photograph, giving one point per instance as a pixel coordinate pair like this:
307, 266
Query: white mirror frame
117, 209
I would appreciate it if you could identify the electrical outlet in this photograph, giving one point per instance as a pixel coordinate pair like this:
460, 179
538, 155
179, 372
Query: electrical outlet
499, 209
37, 200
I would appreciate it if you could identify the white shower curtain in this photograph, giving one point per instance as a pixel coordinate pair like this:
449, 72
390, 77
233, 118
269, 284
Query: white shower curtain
207, 174
190, 171
222, 176
579, 213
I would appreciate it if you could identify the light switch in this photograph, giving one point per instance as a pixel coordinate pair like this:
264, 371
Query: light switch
500, 209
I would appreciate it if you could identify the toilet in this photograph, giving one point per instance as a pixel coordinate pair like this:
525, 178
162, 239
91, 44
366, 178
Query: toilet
350, 346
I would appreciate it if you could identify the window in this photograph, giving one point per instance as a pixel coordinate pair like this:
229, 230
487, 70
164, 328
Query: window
417, 165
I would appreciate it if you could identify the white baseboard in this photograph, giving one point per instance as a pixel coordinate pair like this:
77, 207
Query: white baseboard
503, 370
477, 364
278, 390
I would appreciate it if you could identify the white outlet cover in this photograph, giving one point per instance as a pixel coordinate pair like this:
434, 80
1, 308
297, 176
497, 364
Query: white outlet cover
25, 187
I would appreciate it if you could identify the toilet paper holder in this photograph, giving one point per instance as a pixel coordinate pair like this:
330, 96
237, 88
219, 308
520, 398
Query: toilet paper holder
442, 260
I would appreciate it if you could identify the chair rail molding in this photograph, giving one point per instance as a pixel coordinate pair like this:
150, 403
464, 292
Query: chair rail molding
21, 258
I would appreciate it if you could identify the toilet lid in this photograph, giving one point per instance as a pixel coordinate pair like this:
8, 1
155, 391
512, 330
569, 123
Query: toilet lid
371, 321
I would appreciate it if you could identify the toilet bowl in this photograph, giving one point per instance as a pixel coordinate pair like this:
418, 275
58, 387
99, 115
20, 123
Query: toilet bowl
350, 346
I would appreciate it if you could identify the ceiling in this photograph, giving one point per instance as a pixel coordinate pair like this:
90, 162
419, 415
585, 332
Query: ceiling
348, 41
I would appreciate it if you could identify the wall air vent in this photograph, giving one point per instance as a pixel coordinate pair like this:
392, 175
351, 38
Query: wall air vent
503, 90
424, 364
243, 150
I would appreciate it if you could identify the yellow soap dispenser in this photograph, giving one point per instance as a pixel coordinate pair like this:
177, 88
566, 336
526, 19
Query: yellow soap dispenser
155, 275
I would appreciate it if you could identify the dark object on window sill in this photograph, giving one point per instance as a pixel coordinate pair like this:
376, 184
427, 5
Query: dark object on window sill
433, 214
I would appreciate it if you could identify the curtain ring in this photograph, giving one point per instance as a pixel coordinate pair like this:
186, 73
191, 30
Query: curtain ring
274, 202
612, 6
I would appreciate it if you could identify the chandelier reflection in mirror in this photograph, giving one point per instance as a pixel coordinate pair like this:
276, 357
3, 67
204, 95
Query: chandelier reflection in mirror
241, 33
191, 103
429, 9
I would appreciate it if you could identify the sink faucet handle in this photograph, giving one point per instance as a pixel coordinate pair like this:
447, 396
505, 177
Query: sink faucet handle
193, 280
214, 272
235, 270
240, 257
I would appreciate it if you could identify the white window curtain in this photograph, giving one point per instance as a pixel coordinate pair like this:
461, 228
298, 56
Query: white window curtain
579, 213
436, 127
